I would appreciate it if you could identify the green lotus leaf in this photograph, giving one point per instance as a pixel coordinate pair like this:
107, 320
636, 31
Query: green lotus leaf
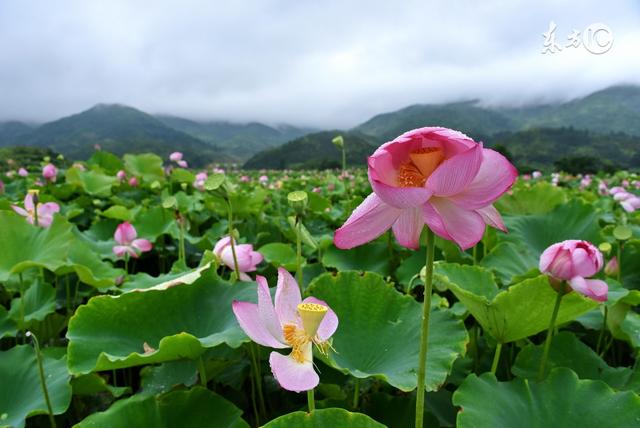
324, 418
197, 407
568, 351
91, 270
106, 161
155, 326
38, 301
145, 165
514, 313
379, 331
630, 264
538, 199
561, 400
39, 247
8, 326
92, 182
118, 212
93, 383
370, 257
21, 393
279, 254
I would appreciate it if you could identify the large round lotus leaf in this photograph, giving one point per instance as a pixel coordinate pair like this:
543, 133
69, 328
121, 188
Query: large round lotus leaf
514, 313
324, 418
21, 393
532, 234
279, 254
561, 400
106, 161
92, 182
538, 199
155, 222
568, 351
89, 266
38, 301
145, 165
193, 408
155, 326
630, 265
371, 257
23, 245
379, 331
8, 326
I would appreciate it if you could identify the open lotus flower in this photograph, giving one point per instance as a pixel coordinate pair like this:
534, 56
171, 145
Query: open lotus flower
125, 236
293, 323
50, 172
436, 176
246, 257
573, 261
22, 172
175, 156
44, 211
199, 182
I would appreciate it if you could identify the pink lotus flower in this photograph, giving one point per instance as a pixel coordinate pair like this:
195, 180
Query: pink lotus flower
175, 156
23, 172
263, 179
245, 179
133, 182
125, 236
628, 201
183, 164
50, 172
44, 211
1, 187
573, 261
536, 174
612, 267
435, 176
121, 175
200, 180
246, 257
293, 323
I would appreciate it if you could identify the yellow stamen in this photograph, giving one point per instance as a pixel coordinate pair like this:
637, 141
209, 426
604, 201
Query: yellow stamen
33, 192
312, 315
421, 164
297, 339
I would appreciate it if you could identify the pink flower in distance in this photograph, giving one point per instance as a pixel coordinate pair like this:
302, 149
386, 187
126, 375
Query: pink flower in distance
574, 261
199, 182
121, 175
175, 156
22, 172
45, 211
50, 172
183, 164
293, 323
133, 182
247, 258
434, 176
125, 236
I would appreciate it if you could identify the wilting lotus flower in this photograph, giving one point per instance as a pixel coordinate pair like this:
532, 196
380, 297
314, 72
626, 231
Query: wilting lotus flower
435, 176
293, 323
175, 156
49, 172
125, 236
44, 211
22, 172
574, 261
246, 257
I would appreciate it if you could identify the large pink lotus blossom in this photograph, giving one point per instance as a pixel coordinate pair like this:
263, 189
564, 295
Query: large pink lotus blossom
574, 261
50, 172
246, 257
436, 176
293, 323
44, 211
125, 236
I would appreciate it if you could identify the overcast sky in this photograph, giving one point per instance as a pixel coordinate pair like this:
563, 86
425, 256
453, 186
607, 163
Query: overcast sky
324, 64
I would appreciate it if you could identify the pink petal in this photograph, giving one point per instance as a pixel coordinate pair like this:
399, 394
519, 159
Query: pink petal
249, 319
456, 173
243, 255
434, 221
495, 176
329, 324
408, 227
593, 288
125, 233
49, 208
45, 220
244, 277
464, 227
121, 250
220, 245
20, 211
256, 258
583, 265
401, 197
28, 202
491, 216
292, 375
266, 310
371, 219
142, 244
287, 298
548, 255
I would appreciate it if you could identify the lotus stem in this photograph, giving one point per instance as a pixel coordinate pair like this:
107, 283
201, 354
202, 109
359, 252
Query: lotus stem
424, 340
43, 382
604, 328
202, 371
552, 323
496, 358
181, 251
311, 402
344, 160
299, 274
236, 269
356, 393
255, 362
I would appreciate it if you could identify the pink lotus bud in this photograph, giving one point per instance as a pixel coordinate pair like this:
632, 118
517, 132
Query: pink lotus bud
245, 179
133, 182
263, 179
612, 268
49, 172
121, 175
247, 258
183, 164
23, 172
175, 156
536, 174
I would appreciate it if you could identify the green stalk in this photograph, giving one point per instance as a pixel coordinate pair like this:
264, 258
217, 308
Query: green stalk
299, 274
356, 393
344, 160
496, 358
181, 251
43, 382
619, 275
552, 323
21, 304
311, 402
255, 361
236, 269
202, 371
604, 328
424, 340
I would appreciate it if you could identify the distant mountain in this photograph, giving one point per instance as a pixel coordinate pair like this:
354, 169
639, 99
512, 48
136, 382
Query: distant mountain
239, 140
118, 129
13, 130
314, 151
